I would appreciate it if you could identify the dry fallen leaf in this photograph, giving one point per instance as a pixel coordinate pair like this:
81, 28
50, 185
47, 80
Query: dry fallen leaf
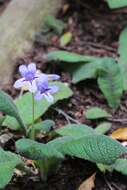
120, 134
88, 184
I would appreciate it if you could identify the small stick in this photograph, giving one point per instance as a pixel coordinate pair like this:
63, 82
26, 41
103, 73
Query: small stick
108, 184
68, 117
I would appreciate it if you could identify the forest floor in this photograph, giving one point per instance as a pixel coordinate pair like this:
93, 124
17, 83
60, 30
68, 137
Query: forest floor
95, 29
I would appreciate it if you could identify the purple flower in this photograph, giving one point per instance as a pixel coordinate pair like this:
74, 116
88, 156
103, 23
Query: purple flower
29, 76
44, 89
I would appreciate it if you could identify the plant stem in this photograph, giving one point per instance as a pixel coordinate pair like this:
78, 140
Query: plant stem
33, 109
31, 131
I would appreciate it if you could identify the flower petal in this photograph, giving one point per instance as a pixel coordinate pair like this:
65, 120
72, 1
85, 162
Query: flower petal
42, 83
49, 97
23, 70
32, 87
32, 67
53, 77
53, 89
38, 96
19, 83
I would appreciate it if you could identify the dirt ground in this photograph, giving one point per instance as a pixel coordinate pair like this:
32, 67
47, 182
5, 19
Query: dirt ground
95, 30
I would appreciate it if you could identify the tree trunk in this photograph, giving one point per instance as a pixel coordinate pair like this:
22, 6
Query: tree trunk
18, 25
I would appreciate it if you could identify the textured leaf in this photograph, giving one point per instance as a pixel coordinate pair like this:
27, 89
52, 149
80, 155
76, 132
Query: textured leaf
44, 126
95, 148
25, 109
68, 57
96, 113
103, 127
8, 162
65, 39
117, 3
46, 157
75, 130
36, 151
110, 82
120, 134
121, 166
88, 184
123, 56
8, 107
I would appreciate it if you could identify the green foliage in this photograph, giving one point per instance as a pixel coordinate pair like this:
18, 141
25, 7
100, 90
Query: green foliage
75, 130
123, 56
110, 82
85, 71
8, 162
46, 158
25, 109
44, 126
117, 3
106, 71
95, 148
104, 127
2, 118
67, 57
36, 151
8, 107
121, 166
96, 113
52, 23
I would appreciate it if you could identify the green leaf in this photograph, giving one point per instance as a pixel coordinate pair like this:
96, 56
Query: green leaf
46, 157
24, 106
65, 39
8, 162
103, 127
117, 3
75, 130
110, 82
36, 151
8, 107
96, 113
123, 56
84, 71
44, 126
68, 57
121, 166
2, 118
52, 23
95, 148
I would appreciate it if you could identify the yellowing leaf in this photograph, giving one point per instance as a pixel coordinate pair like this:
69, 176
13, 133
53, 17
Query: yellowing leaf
120, 134
65, 39
88, 184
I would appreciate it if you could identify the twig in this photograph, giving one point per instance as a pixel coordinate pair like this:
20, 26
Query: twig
108, 184
124, 120
101, 46
116, 186
67, 117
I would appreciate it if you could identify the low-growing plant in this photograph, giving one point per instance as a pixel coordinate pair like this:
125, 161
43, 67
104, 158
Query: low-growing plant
109, 73
24, 115
79, 141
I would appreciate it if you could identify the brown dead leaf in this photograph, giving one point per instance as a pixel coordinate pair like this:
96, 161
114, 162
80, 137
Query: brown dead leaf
88, 184
120, 134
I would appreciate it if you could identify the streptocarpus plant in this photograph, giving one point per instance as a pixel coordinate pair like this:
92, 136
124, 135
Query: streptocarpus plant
79, 141
25, 113
37, 85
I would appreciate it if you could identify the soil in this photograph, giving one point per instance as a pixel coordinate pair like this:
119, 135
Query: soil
95, 30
